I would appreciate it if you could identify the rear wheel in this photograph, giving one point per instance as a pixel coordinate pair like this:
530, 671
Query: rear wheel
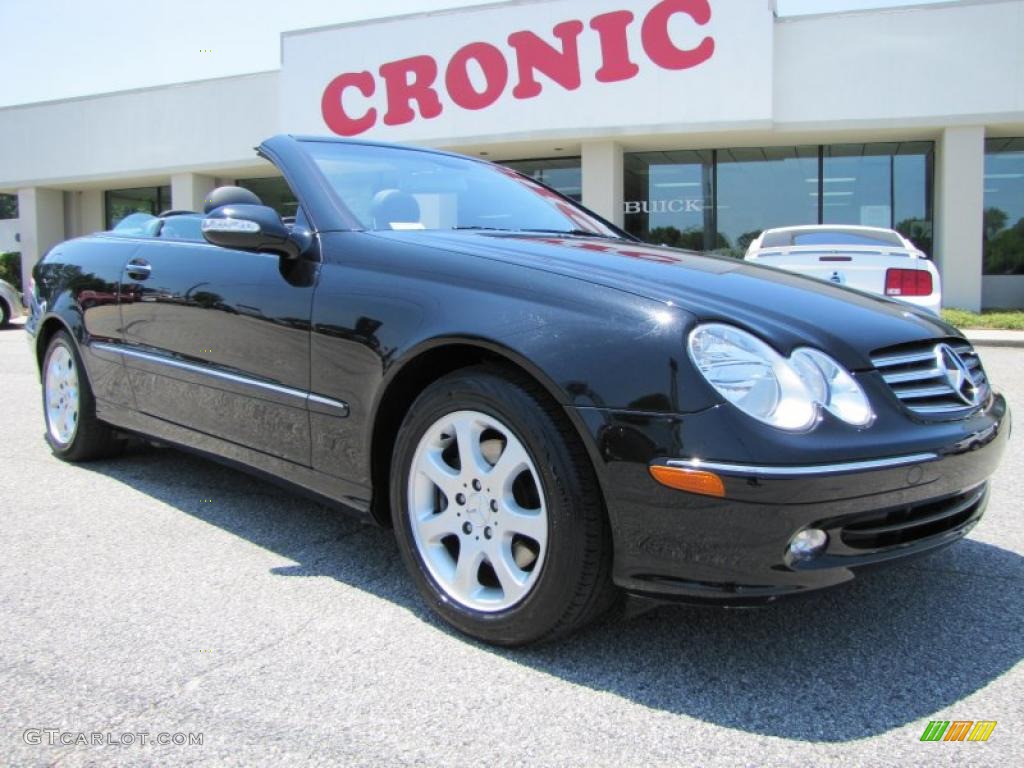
496, 510
5, 313
72, 429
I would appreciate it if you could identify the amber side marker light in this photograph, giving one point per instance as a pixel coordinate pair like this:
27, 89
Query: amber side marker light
692, 480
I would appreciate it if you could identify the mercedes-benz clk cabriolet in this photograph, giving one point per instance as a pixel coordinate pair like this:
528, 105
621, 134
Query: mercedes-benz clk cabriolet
549, 413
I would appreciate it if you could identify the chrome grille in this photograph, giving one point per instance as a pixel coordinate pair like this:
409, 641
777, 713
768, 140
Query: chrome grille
918, 378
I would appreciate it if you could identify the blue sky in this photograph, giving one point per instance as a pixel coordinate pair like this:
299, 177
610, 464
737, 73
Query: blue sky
55, 49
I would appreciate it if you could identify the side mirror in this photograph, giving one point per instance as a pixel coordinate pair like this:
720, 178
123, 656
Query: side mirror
253, 228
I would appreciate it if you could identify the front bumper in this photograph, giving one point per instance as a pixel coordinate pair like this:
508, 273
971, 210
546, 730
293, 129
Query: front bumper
676, 545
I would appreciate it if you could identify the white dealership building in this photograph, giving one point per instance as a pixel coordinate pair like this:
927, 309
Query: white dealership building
691, 122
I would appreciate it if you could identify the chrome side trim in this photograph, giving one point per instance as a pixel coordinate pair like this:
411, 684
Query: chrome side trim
327, 405
206, 371
298, 394
809, 470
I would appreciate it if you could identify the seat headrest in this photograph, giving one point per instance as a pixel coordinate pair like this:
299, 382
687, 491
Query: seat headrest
392, 206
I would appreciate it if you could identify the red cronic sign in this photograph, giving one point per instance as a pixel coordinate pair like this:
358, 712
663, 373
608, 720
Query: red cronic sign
349, 104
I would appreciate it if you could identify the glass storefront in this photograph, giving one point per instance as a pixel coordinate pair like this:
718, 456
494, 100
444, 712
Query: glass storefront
720, 200
119, 203
880, 185
563, 174
273, 191
669, 195
761, 188
8, 206
1003, 243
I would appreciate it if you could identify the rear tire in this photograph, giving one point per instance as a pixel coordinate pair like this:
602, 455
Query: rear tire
497, 510
69, 408
5, 314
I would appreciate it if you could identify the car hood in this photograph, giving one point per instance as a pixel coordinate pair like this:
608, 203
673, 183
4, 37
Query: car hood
787, 309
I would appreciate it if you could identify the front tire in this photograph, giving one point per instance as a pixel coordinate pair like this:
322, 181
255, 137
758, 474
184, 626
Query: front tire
496, 510
69, 408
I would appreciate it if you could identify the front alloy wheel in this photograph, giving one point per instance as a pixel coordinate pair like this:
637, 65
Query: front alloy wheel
497, 511
477, 511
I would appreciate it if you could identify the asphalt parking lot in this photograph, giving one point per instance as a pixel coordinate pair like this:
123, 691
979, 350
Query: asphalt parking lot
160, 593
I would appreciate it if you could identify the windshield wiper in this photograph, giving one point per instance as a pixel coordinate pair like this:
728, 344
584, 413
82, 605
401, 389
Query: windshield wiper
572, 232
532, 231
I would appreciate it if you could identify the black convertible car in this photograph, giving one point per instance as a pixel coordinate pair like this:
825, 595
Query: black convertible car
548, 412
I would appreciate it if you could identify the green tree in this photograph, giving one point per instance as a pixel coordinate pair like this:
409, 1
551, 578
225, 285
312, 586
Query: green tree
689, 239
10, 269
743, 241
917, 231
8, 206
1004, 252
995, 221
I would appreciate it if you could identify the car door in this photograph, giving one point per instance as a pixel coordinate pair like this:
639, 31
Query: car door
217, 340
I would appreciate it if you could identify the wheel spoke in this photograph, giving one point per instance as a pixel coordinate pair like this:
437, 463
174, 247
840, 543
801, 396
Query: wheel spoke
467, 434
511, 577
440, 474
510, 464
531, 523
436, 527
466, 582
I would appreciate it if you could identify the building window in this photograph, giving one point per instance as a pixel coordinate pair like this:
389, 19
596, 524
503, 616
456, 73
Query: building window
880, 185
273, 191
562, 174
1003, 244
119, 203
669, 198
761, 188
720, 200
8, 206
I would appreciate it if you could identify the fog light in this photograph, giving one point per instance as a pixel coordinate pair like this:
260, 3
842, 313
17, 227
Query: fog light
808, 544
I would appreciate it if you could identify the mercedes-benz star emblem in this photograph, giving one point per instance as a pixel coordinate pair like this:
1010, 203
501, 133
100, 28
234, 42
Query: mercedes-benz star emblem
957, 374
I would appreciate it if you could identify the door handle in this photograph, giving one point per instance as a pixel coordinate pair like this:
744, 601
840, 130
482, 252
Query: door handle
138, 269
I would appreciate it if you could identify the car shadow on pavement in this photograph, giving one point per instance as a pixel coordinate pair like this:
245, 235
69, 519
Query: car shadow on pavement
887, 650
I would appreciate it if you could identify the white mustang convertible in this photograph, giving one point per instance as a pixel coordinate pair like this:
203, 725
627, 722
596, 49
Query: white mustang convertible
871, 259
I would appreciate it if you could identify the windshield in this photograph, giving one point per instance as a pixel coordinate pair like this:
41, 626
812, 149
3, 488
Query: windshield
391, 188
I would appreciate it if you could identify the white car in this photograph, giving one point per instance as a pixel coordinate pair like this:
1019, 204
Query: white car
871, 259
10, 303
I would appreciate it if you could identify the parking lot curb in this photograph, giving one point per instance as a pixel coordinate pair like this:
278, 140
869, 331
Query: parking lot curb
986, 338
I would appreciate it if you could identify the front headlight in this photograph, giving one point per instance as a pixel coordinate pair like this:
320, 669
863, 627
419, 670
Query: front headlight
762, 383
752, 376
838, 392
